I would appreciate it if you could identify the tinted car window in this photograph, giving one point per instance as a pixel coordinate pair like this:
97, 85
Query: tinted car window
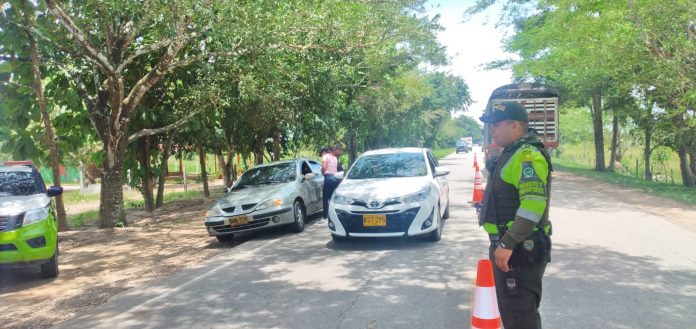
389, 165
274, 174
433, 162
16, 183
316, 167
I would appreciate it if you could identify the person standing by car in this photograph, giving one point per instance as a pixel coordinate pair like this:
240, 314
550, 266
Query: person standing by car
329, 168
515, 214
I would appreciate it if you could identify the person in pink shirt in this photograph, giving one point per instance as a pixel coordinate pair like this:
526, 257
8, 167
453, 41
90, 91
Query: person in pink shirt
329, 167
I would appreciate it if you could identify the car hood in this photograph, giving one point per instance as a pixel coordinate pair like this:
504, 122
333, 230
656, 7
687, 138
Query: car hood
255, 194
12, 205
381, 188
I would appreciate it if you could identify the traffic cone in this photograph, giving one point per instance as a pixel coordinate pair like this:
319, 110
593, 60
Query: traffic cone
475, 161
485, 314
478, 187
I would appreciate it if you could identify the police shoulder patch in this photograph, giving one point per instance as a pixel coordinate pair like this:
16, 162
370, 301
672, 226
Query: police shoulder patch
528, 244
528, 172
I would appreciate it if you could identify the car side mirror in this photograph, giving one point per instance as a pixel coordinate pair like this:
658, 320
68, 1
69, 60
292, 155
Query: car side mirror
54, 191
441, 171
340, 175
309, 176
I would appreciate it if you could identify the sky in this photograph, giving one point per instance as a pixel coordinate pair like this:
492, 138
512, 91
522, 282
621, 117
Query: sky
471, 44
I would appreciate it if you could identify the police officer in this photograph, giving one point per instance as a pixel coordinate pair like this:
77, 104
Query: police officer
515, 214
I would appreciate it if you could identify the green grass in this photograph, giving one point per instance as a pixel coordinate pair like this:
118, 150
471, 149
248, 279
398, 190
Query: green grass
671, 191
91, 217
441, 153
84, 218
73, 197
664, 161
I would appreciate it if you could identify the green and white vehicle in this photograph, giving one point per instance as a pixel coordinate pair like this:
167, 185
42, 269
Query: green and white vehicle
28, 223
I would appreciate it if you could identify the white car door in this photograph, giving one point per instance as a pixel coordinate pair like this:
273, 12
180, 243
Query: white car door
318, 183
440, 181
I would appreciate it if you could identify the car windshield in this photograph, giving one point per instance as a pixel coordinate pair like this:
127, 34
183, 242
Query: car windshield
461, 143
17, 183
389, 165
273, 174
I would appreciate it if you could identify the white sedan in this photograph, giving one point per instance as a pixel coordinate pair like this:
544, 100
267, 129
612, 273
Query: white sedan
389, 193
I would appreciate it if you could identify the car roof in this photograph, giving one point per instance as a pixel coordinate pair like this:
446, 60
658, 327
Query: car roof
16, 168
281, 162
396, 150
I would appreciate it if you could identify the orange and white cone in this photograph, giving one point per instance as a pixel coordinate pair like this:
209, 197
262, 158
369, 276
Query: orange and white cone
475, 161
478, 187
485, 314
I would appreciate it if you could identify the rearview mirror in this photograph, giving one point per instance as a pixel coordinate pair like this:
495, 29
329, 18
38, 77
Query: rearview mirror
54, 191
441, 171
309, 176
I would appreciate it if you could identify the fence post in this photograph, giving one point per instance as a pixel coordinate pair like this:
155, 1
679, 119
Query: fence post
637, 168
183, 172
129, 180
672, 175
82, 181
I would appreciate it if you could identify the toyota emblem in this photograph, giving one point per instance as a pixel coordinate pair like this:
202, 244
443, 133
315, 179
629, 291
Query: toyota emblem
374, 204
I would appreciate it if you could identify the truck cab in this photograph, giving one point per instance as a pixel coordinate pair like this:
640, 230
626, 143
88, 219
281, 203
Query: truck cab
28, 221
541, 103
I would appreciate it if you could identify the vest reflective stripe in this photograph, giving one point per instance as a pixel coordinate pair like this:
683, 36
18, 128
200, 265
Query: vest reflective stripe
490, 228
493, 230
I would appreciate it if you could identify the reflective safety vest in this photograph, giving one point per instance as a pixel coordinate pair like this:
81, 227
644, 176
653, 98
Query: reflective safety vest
519, 185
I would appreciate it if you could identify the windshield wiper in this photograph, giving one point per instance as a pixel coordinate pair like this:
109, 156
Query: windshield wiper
271, 182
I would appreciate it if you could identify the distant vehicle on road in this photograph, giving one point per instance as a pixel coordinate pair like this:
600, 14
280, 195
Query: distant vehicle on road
28, 221
541, 103
390, 193
463, 146
278, 193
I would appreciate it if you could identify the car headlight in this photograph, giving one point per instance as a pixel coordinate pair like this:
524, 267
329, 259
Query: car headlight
342, 200
213, 212
416, 197
269, 203
35, 215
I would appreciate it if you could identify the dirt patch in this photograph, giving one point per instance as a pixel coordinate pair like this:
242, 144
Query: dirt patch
680, 214
97, 264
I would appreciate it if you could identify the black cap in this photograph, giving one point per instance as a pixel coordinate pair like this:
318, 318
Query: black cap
506, 111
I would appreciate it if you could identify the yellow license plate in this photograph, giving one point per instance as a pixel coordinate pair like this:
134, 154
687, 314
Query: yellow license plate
374, 220
239, 220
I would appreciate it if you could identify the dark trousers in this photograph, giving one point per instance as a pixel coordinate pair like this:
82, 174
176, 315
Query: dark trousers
330, 185
520, 311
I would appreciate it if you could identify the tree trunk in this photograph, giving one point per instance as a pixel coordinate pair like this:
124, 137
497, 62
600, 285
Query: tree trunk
227, 168
598, 130
111, 209
276, 145
48, 126
223, 168
614, 141
688, 176
166, 153
258, 153
204, 172
232, 167
647, 152
145, 162
353, 149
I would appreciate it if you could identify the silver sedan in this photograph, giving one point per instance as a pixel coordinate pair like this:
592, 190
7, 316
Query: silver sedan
278, 193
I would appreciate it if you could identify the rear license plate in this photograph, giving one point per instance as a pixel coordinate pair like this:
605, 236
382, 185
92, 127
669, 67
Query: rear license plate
239, 220
374, 220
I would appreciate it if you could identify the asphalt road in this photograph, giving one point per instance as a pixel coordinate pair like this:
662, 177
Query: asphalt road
615, 265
